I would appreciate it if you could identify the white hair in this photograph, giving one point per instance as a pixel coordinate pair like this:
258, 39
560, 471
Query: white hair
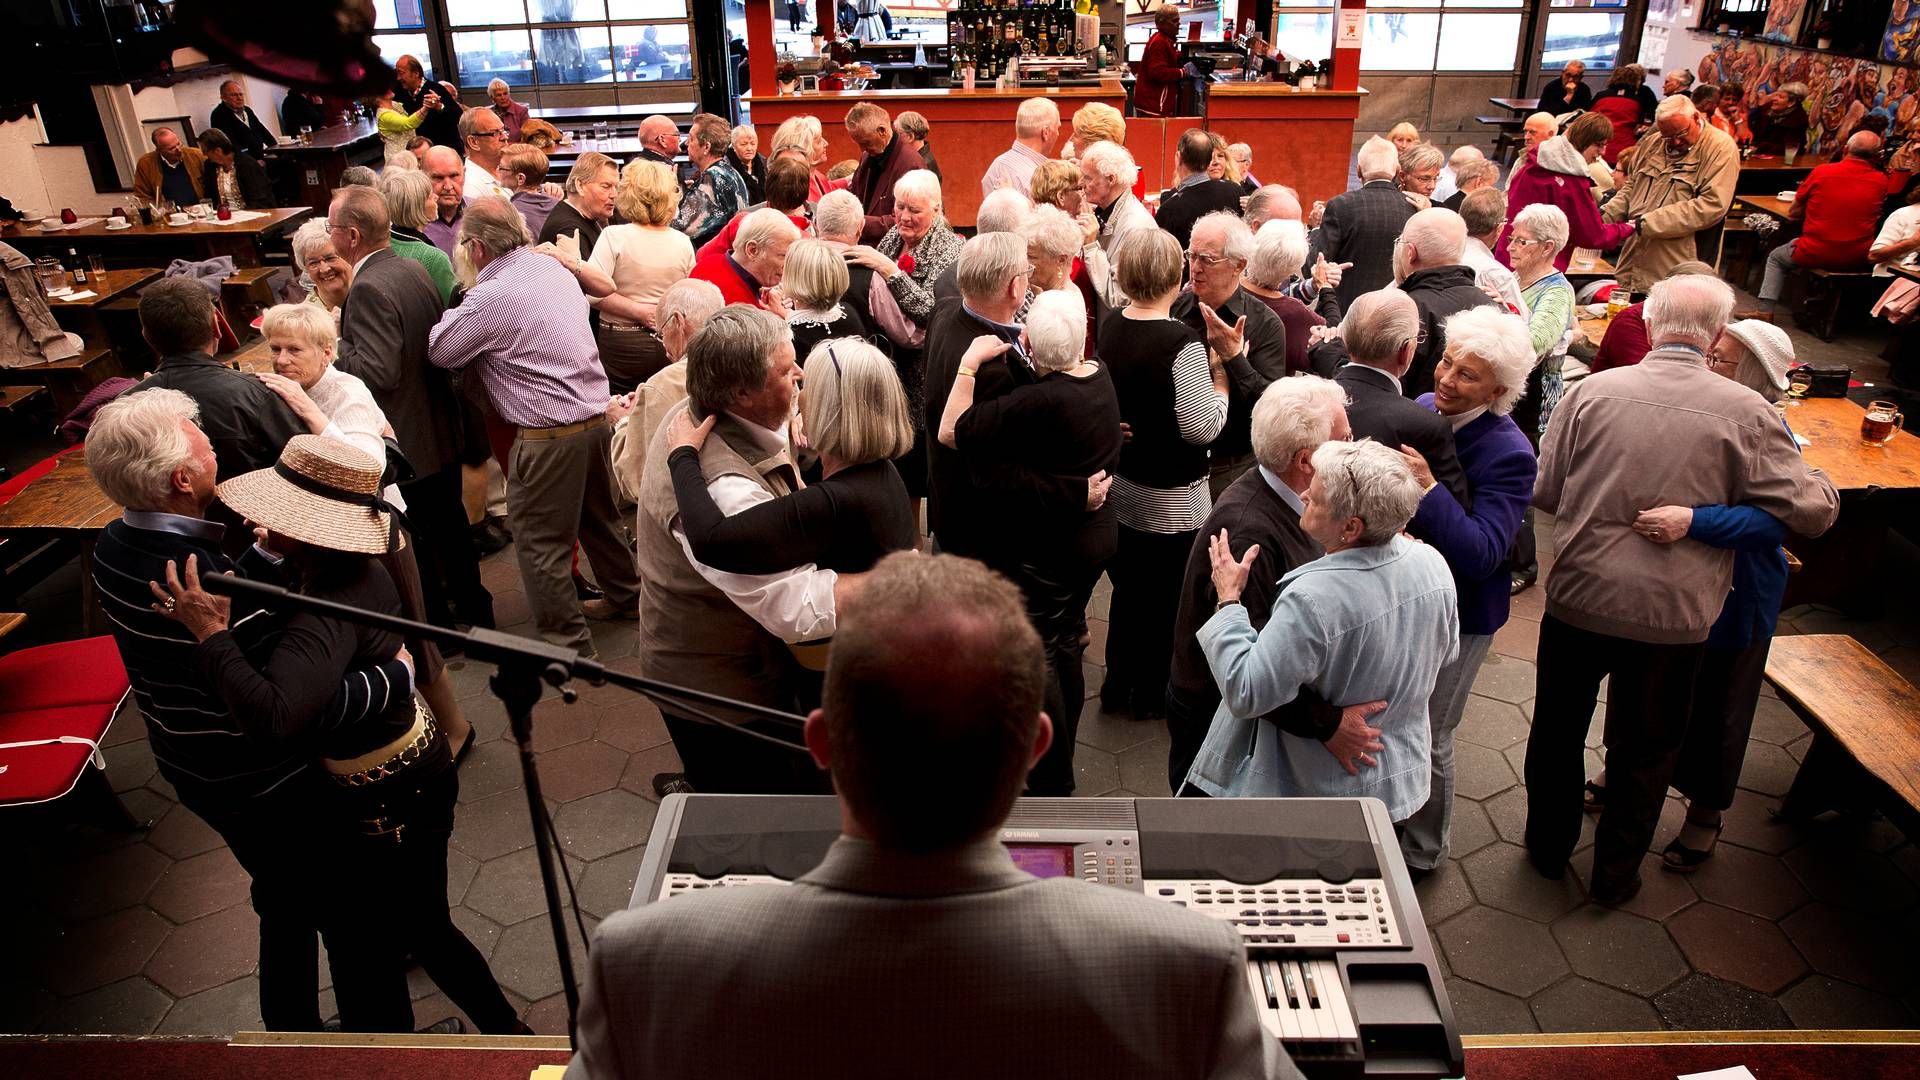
988, 263
1688, 307
742, 129
1111, 161
839, 216
1057, 329
1679, 105
1542, 118
1368, 481
1378, 325
311, 234
1240, 152
135, 443
1547, 223
309, 321
1378, 160
1437, 234
1279, 251
1293, 415
1052, 230
1034, 117
498, 84
1497, 338
919, 182
1236, 240
761, 228
1463, 154
1003, 210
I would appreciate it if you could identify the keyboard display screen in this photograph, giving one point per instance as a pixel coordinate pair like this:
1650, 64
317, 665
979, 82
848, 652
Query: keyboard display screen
1043, 860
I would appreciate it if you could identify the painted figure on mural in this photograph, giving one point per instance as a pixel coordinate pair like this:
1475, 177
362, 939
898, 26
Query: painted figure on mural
1902, 43
1783, 20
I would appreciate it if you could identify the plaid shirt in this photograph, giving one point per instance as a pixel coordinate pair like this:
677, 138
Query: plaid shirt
1360, 227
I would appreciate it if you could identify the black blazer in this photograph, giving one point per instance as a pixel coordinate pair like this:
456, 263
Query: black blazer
1180, 208
1360, 227
383, 340
1376, 411
249, 136
255, 188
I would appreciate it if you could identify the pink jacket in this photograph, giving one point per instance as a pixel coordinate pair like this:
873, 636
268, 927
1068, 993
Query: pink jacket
1556, 173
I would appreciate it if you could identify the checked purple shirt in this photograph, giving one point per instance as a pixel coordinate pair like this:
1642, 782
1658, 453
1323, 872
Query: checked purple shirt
523, 329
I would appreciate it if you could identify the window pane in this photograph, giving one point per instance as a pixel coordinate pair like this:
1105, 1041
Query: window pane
572, 54
486, 12
1399, 42
1303, 36
484, 55
566, 10
394, 46
1479, 42
677, 9
1484, 4
652, 53
1592, 37
399, 14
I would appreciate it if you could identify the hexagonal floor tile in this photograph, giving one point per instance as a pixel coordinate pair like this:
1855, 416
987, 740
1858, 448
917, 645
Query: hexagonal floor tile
1831, 940
1768, 769
109, 881
644, 765
1620, 950
1662, 892
1480, 772
182, 833
1704, 1003
106, 950
1851, 878
524, 963
200, 886
1143, 768
1774, 722
129, 1007
460, 870
1443, 893
490, 768
1577, 1004
581, 769
1502, 951
1748, 881
130, 765
602, 824
1822, 1003
1470, 829
1491, 723
1503, 878
220, 1011
1505, 678
507, 890
208, 952
606, 885
1481, 1011
1737, 947
1095, 772
1751, 824
489, 828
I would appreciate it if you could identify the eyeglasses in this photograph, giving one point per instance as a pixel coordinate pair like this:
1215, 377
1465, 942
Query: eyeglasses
1521, 241
1209, 261
496, 133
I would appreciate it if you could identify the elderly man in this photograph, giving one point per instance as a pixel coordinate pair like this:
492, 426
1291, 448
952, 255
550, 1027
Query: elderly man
1373, 620
1473, 175
1484, 213
660, 140
914, 129
944, 646
1272, 202
719, 192
1780, 120
722, 632
147, 453
1568, 92
588, 205
512, 114
1676, 82
1428, 264
1623, 600
1236, 325
1360, 226
446, 172
1005, 210
682, 310
523, 330
412, 91
1838, 212
240, 124
884, 158
484, 137
1261, 509
1108, 172
837, 221
172, 170
232, 177
755, 263
1036, 128
1681, 183
1449, 180
1194, 194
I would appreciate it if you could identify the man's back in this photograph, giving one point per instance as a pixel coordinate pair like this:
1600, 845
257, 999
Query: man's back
383, 340
886, 964
247, 423
1438, 291
1183, 206
1377, 411
1359, 227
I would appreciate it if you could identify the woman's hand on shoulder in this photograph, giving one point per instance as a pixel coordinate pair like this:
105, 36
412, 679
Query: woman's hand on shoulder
682, 431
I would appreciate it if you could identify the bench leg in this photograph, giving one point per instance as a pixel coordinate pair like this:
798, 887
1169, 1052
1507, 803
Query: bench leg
1830, 779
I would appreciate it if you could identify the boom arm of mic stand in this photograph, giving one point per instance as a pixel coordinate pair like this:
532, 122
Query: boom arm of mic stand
521, 665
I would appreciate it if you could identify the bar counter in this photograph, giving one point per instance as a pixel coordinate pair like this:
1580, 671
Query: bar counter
1300, 138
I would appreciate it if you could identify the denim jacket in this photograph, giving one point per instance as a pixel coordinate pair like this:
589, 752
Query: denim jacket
1363, 624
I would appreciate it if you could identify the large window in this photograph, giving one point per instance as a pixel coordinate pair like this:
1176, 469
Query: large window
1591, 37
1410, 35
568, 42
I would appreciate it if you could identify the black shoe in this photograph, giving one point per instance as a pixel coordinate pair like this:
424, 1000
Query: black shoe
1614, 897
332, 1025
488, 540
671, 783
460, 755
450, 1026
1418, 874
584, 590
1148, 709
1524, 581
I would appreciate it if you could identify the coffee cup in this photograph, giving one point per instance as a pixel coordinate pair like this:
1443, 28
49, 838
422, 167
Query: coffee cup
178, 218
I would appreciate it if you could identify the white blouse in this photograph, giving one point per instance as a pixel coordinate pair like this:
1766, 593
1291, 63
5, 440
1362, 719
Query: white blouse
354, 418
642, 260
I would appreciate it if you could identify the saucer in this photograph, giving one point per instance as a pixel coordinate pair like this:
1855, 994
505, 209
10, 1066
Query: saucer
110, 227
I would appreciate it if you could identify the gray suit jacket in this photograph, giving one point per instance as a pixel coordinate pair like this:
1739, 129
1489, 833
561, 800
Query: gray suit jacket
887, 964
383, 340
1360, 227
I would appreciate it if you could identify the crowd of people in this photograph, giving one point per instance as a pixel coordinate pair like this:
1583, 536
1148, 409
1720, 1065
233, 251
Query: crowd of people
1305, 444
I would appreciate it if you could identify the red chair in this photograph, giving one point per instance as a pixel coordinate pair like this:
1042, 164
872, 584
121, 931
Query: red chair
56, 703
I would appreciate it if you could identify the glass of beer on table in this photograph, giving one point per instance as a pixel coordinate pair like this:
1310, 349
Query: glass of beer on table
1877, 427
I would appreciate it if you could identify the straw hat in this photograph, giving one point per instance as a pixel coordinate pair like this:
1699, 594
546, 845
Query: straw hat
322, 492
1767, 344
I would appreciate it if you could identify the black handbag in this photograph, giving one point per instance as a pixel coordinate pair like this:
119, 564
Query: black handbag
1829, 381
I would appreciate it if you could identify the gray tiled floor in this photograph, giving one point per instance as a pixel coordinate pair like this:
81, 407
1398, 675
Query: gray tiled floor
1786, 926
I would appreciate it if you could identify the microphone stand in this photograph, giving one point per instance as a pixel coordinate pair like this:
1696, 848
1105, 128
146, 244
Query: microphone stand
522, 666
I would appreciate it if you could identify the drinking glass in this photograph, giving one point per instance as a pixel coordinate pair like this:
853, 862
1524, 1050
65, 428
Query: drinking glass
1883, 419
1799, 381
96, 267
306, 133
51, 275
600, 131
1790, 153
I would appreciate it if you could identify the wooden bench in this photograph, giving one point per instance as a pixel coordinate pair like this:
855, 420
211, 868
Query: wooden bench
1828, 291
69, 380
1508, 138
13, 397
247, 291
1866, 729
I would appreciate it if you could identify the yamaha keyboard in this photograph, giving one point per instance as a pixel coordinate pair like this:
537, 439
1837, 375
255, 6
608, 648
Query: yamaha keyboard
1339, 962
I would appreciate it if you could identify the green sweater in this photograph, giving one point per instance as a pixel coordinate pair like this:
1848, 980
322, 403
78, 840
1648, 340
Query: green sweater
1550, 300
439, 267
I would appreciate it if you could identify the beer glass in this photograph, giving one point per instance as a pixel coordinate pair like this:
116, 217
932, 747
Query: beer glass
1883, 419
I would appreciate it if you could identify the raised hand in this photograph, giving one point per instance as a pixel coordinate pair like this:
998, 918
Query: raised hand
1224, 340
1229, 574
201, 612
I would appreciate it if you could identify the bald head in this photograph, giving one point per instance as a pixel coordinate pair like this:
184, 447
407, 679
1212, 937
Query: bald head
1539, 129
660, 135
1274, 202
1432, 237
1863, 144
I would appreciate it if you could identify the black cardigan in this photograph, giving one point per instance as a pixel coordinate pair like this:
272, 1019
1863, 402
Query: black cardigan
844, 523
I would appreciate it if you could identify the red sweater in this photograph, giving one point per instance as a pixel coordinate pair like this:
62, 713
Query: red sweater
723, 241
1625, 342
719, 268
1156, 88
1842, 203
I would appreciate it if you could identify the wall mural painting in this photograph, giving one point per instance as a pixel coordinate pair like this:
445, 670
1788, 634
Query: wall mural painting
1783, 20
1844, 91
1902, 43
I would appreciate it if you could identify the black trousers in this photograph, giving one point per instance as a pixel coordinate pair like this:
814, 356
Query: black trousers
1056, 596
1649, 701
720, 760
1188, 718
394, 903
630, 357
1147, 573
1716, 744
443, 546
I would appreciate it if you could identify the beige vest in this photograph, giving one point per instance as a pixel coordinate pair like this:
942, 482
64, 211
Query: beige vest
691, 634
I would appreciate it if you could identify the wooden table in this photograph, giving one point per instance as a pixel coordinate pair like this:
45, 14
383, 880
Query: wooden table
1582, 271
1839, 567
83, 317
317, 165
1517, 104
1865, 720
68, 504
1767, 204
252, 358
160, 243
1768, 174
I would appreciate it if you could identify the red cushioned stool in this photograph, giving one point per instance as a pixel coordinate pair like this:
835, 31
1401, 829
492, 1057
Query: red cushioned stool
56, 703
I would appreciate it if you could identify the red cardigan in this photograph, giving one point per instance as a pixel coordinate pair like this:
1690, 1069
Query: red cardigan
1625, 342
1574, 196
1156, 88
1842, 203
718, 267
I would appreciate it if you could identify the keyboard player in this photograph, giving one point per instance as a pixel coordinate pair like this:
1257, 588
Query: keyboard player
917, 948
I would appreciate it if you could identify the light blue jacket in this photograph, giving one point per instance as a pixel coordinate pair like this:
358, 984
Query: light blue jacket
1363, 624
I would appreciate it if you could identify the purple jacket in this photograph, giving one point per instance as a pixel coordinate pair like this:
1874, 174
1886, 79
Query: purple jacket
1500, 468
1556, 173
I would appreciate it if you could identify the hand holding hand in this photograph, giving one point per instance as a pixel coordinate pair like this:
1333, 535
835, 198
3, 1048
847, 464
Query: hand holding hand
1229, 574
1664, 524
1327, 275
774, 299
984, 348
1418, 464
201, 612
682, 431
1097, 486
619, 407
1355, 740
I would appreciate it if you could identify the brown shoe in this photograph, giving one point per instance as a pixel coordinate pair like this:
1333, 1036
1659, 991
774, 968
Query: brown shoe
605, 611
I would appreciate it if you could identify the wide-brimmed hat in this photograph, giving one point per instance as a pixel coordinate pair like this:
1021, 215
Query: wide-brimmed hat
1769, 345
321, 492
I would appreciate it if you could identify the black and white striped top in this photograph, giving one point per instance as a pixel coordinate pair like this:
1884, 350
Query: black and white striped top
1199, 413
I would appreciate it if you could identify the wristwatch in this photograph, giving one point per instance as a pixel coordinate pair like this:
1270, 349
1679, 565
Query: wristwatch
1225, 604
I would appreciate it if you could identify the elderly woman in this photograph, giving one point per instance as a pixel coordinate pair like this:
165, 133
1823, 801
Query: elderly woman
917, 249
1559, 175
512, 113
1628, 104
1067, 423
333, 403
1780, 121
1173, 397
1279, 251
743, 153
1375, 619
1475, 386
815, 281
409, 197
643, 256
1058, 183
328, 275
913, 129
1757, 355
1420, 166
1053, 247
393, 790
802, 137
1539, 232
